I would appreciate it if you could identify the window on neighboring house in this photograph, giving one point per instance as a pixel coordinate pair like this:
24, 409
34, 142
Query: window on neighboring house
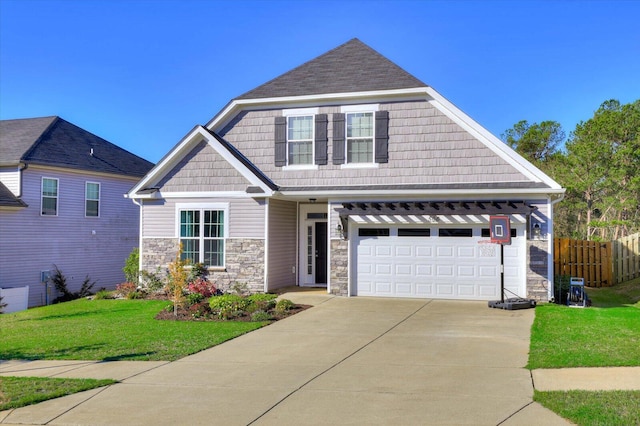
49, 197
360, 137
92, 199
300, 139
202, 235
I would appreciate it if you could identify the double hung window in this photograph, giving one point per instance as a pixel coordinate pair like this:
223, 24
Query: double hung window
202, 235
49, 203
300, 140
92, 199
360, 137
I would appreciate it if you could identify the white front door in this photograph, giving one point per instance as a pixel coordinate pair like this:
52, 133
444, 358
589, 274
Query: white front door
313, 245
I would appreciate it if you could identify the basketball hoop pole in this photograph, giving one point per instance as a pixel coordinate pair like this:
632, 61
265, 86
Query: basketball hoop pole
501, 273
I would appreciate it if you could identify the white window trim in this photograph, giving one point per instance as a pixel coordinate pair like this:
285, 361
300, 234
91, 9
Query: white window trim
354, 109
87, 199
57, 197
224, 207
313, 142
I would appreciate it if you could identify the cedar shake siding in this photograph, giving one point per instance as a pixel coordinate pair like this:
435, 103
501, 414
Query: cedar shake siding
424, 146
282, 244
203, 169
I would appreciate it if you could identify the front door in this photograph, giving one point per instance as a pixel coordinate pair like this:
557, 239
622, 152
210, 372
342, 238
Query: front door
313, 245
321, 253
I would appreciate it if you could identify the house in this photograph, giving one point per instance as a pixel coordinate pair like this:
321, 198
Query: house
62, 203
349, 173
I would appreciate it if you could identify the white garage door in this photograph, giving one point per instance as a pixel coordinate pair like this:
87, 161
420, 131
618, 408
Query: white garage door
446, 263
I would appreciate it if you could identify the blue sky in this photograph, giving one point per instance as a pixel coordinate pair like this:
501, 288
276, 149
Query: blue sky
143, 73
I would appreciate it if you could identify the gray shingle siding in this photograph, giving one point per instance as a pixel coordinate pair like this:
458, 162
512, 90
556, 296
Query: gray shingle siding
425, 147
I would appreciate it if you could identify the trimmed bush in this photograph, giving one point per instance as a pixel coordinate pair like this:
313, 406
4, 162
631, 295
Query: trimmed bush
284, 305
228, 306
259, 316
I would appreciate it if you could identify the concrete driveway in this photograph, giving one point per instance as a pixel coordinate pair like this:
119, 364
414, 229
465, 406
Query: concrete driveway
345, 361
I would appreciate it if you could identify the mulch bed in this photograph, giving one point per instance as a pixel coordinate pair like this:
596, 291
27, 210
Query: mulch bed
186, 315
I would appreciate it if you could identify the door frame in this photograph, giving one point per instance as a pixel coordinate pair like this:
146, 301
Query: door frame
304, 223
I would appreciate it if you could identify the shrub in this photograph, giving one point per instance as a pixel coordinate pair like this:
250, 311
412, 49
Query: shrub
132, 267
2, 305
203, 287
152, 280
125, 289
228, 306
284, 305
240, 289
194, 298
135, 295
561, 288
261, 302
259, 316
198, 270
59, 281
200, 310
103, 294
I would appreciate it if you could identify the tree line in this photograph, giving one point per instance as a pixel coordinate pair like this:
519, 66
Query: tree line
598, 164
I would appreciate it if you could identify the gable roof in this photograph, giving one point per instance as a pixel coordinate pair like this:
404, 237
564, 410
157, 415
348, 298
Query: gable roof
53, 141
351, 67
7, 199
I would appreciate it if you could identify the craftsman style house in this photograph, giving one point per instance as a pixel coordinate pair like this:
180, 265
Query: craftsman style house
62, 204
351, 174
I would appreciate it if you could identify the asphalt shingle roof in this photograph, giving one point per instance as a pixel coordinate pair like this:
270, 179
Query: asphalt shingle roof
351, 67
7, 199
53, 141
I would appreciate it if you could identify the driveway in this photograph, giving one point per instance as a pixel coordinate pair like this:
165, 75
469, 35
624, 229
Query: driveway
344, 361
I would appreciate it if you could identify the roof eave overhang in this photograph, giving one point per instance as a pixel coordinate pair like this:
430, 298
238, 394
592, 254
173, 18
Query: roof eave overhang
422, 194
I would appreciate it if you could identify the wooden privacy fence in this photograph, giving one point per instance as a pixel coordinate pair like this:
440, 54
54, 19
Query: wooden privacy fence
601, 264
626, 258
590, 260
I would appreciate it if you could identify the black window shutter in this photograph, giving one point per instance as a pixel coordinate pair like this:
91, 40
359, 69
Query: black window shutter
321, 139
338, 138
382, 136
280, 141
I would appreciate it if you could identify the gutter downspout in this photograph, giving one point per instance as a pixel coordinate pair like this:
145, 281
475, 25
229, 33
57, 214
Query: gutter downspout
550, 271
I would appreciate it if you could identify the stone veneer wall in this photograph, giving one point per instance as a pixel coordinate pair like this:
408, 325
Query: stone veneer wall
244, 262
537, 270
339, 267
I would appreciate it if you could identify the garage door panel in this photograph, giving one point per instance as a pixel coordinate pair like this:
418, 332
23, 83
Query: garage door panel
404, 270
466, 252
383, 269
424, 290
445, 251
404, 251
490, 291
488, 271
424, 251
466, 290
466, 271
444, 271
424, 271
383, 288
404, 289
444, 290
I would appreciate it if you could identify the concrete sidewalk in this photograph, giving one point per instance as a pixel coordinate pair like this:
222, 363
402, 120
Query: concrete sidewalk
345, 361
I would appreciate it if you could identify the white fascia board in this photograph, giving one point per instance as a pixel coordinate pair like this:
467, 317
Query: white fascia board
431, 193
232, 109
208, 194
491, 141
197, 135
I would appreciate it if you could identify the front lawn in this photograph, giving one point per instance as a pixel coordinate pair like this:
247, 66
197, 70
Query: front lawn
17, 392
604, 335
109, 330
594, 408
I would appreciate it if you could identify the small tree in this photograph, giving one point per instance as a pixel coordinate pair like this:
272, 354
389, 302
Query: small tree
178, 278
132, 267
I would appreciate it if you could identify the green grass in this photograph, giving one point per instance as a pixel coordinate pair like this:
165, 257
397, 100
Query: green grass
594, 408
604, 335
109, 330
17, 392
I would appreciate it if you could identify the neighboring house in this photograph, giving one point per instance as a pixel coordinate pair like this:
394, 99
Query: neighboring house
62, 203
351, 174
